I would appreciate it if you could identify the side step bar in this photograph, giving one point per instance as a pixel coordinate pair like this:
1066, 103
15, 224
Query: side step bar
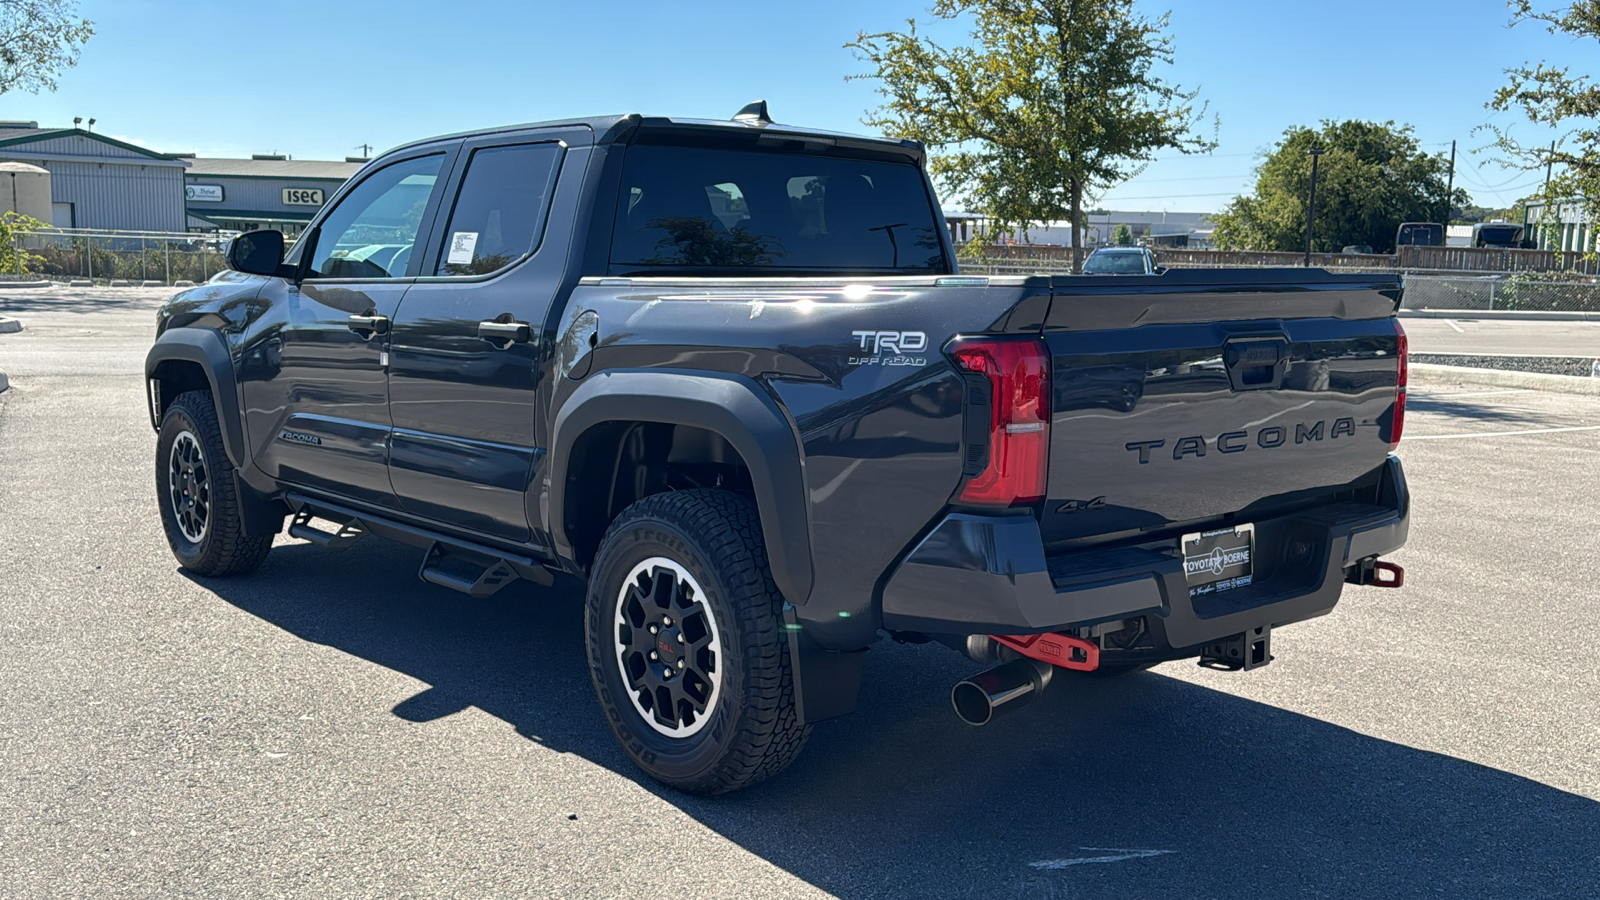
461, 565
350, 531
467, 574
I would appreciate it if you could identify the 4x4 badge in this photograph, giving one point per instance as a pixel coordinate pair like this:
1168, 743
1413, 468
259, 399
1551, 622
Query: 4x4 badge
1075, 506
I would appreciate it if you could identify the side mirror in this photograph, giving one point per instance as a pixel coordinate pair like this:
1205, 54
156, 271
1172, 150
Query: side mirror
257, 253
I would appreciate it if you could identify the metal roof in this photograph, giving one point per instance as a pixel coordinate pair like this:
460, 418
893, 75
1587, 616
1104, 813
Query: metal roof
272, 168
14, 136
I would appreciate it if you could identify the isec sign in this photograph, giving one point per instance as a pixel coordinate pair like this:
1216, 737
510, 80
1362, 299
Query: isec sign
302, 196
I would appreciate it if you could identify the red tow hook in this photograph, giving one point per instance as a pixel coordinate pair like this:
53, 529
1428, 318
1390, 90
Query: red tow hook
1387, 574
1055, 649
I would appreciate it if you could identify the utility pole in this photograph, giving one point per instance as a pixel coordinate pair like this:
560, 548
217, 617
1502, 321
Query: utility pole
1450, 187
366, 150
1549, 163
1311, 208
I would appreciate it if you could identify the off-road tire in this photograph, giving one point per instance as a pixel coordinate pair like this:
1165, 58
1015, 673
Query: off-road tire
223, 549
752, 731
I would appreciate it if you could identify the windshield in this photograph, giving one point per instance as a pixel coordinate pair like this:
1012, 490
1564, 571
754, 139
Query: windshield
1100, 263
1499, 234
697, 208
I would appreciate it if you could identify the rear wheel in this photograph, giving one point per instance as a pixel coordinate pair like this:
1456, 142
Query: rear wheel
686, 644
200, 509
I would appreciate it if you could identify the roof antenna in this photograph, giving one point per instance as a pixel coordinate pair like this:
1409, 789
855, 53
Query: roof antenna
754, 114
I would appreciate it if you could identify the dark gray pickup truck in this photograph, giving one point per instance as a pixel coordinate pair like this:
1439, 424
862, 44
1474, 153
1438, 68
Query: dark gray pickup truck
730, 373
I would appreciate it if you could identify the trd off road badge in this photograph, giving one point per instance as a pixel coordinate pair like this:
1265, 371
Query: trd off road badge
890, 348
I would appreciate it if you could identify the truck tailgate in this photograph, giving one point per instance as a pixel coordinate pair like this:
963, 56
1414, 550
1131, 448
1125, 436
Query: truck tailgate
1208, 404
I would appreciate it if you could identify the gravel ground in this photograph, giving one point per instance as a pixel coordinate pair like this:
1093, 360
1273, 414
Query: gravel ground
1583, 366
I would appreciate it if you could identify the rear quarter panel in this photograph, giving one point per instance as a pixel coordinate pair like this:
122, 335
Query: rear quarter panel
880, 424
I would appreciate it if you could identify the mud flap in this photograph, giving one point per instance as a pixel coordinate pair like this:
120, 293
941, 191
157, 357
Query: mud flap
826, 682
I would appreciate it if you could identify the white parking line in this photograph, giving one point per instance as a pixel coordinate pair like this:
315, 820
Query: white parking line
1452, 324
1483, 434
1424, 395
1121, 855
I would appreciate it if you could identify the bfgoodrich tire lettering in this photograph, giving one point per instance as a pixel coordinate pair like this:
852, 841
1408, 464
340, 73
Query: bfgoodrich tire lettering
751, 730
195, 492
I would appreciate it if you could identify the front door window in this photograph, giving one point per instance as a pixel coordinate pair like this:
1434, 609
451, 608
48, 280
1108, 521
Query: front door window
373, 230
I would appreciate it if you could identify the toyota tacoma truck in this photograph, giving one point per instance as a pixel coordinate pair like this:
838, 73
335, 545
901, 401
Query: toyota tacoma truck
730, 373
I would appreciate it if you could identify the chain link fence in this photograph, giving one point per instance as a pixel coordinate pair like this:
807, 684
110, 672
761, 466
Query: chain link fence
1531, 291
1535, 291
118, 257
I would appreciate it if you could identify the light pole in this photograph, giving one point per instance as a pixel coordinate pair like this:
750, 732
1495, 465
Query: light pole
1311, 208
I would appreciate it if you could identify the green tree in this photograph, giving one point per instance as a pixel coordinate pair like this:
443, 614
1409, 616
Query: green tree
1050, 101
1371, 178
39, 38
1122, 235
14, 258
1559, 99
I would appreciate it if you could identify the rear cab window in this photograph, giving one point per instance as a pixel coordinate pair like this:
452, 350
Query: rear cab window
1128, 262
711, 210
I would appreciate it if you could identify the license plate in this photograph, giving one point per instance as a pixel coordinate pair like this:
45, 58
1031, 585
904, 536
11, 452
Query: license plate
1219, 560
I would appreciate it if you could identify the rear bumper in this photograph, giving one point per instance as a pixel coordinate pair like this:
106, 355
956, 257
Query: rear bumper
989, 574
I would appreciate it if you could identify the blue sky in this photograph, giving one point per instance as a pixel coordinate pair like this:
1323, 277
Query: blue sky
317, 79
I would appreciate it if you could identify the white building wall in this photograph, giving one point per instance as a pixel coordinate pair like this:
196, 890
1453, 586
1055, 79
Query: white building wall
119, 196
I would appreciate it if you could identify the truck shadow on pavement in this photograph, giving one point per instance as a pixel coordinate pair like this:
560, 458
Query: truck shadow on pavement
1157, 787
1441, 405
80, 300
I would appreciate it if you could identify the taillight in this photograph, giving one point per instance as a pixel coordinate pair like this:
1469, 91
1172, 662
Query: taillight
1398, 423
1017, 371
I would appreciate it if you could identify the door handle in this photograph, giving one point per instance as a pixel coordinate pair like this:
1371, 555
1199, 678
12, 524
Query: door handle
506, 333
373, 324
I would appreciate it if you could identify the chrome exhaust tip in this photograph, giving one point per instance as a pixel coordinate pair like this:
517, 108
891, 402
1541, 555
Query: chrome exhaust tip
985, 696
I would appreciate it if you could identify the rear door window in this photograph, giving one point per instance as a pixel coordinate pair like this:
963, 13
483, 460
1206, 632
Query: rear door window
697, 209
499, 212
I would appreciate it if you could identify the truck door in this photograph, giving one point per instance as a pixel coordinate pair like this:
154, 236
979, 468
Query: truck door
469, 338
316, 393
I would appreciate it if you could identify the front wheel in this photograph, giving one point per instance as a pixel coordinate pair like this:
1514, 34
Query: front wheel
199, 502
686, 643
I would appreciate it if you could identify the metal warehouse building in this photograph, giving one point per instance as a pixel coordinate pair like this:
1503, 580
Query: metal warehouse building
266, 191
100, 182
1568, 227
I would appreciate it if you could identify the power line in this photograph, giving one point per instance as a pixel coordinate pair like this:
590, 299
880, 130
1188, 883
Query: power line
1119, 199
1140, 180
1492, 187
1203, 156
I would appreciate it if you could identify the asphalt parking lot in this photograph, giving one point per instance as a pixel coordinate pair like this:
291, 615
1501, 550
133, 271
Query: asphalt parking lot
1486, 334
331, 726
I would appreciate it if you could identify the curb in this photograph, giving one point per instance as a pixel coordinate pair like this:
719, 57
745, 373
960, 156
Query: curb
3, 383
9, 326
24, 284
1564, 384
1507, 314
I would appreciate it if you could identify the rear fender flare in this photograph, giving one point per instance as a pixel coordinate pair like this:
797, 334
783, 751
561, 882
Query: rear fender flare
207, 349
735, 408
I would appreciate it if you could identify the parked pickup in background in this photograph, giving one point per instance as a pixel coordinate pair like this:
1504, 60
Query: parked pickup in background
730, 373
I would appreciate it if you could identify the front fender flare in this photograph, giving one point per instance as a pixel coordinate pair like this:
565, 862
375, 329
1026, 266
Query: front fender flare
735, 408
207, 349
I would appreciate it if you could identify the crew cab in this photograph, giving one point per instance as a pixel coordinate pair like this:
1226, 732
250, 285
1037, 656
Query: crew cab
730, 373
